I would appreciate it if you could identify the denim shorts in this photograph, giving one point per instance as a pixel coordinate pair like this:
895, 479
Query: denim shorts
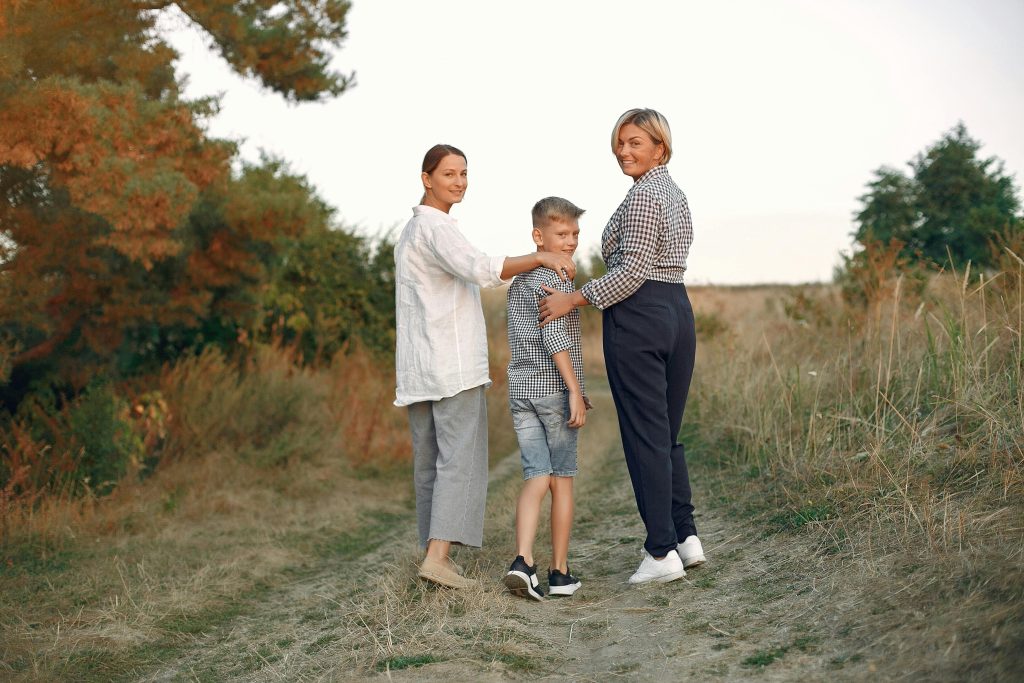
547, 444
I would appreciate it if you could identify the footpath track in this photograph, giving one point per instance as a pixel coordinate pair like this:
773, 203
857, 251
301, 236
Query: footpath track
757, 608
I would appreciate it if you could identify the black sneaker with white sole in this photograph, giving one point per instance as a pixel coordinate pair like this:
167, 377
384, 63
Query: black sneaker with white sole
522, 580
562, 584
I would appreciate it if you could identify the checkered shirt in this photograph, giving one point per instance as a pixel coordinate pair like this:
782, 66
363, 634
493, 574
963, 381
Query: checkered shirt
647, 238
531, 372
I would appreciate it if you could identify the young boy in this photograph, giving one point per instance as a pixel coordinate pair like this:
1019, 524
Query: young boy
545, 387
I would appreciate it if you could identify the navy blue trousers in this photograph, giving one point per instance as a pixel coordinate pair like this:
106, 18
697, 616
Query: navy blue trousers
649, 349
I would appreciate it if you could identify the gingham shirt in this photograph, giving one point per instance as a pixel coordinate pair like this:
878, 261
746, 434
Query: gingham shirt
531, 372
647, 238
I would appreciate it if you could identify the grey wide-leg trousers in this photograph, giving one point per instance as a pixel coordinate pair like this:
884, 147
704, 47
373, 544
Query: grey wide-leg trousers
449, 445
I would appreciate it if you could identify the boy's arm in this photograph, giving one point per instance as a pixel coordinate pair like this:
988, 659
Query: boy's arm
577, 404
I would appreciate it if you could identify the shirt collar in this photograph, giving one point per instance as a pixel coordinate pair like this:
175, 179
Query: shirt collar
656, 172
424, 210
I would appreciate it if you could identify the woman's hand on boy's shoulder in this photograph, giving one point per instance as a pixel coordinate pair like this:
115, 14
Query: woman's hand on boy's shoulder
560, 263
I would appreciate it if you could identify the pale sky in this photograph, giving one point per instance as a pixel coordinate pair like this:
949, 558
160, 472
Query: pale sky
780, 111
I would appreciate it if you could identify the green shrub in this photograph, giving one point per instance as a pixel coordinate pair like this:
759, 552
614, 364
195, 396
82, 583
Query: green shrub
108, 446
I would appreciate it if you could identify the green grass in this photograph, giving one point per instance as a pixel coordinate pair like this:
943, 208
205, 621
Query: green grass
515, 662
764, 658
407, 662
795, 518
329, 544
706, 580
656, 600
214, 615
32, 557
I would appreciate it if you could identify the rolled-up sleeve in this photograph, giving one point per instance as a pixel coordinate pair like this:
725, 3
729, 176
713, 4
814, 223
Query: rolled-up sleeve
457, 256
641, 233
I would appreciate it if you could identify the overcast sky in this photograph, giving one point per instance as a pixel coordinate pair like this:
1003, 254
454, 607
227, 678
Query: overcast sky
780, 111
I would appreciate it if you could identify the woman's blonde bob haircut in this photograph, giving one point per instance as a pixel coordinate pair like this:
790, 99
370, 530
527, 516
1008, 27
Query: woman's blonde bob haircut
650, 122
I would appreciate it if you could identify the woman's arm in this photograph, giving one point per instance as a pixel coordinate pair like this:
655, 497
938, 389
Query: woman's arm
460, 258
642, 230
560, 263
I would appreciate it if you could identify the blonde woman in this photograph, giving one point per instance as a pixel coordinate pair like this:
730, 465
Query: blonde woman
649, 339
441, 361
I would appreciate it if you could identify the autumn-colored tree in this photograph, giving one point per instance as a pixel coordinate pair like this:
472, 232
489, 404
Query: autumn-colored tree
120, 220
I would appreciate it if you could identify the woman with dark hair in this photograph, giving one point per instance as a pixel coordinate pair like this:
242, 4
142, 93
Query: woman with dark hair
649, 339
441, 361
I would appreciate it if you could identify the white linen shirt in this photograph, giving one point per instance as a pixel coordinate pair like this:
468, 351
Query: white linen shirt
441, 340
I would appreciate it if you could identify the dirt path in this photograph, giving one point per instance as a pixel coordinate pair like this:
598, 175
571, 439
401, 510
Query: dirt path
759, 607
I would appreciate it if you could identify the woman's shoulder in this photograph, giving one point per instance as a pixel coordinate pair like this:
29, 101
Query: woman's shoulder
428, 215
429, 223
658, 186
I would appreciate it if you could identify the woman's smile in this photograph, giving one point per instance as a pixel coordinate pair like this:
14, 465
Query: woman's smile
446, 184
636, 152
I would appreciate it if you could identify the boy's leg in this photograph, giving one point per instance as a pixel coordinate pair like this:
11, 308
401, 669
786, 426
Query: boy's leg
536, 459
561, 439
528, 515
561, 522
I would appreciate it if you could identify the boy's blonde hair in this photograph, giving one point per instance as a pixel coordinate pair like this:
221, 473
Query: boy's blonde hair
650, 122
554, 209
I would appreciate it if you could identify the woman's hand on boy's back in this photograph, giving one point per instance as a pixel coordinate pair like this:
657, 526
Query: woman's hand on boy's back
556, 304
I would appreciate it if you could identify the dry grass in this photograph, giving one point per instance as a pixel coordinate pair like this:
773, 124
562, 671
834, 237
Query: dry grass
858, 479
177, 555
263, 472
896, 437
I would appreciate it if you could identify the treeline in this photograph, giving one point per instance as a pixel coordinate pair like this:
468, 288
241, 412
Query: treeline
130, 239
131, 242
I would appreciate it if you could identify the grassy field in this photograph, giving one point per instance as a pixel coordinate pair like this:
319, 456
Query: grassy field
858, 472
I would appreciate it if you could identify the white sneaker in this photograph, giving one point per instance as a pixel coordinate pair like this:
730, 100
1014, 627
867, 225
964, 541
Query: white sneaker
691, 552
668, 568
